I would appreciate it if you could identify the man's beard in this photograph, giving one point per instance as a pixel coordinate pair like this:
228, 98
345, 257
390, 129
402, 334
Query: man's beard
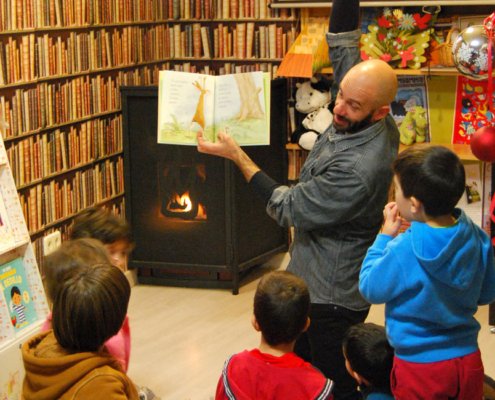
354, 127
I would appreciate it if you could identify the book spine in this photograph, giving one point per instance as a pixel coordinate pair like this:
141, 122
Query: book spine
204, 38
216, 41
241, 40
175, 9
279, 42
197, 40
272, 39
177, 49
262, 40
249, 39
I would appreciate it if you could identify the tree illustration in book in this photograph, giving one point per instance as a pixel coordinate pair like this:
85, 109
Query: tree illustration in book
14, 284
237, 104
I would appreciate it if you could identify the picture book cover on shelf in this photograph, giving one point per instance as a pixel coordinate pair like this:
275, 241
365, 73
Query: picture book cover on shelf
15, 287
238, 104
410, 109
472, 109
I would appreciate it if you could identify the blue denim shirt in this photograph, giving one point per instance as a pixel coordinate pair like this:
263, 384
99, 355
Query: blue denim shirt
336, 208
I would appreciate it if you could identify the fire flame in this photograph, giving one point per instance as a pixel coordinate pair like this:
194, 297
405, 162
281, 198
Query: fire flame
182, 204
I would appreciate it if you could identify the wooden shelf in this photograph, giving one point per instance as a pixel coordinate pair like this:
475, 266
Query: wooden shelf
378, 3
84, 73
66, 171
64, 219
463, 151
440, 71
46, 29
53, 127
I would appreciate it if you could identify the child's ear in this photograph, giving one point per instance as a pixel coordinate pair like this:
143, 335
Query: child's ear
255, 324
416, 205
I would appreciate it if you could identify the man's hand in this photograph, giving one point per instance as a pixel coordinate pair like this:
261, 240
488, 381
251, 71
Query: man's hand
227, 147
392, 220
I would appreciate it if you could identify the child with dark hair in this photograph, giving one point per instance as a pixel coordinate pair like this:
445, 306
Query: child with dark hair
431, 278
273, 371
74, 255
369, 359
71, 361
112, 231
79, 254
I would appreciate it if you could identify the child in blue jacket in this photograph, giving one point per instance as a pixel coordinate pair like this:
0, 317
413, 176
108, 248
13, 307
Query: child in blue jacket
431, 278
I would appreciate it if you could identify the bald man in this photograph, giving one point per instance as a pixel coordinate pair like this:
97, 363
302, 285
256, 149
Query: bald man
336, 208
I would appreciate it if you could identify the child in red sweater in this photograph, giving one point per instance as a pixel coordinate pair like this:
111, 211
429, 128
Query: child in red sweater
273, 371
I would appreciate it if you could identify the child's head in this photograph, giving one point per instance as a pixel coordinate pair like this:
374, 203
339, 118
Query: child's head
281, 307
368, 354
15, 294
71, 255
90, 307
112, 231
434, 175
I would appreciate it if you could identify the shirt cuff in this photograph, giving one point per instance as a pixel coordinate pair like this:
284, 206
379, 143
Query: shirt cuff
263, 185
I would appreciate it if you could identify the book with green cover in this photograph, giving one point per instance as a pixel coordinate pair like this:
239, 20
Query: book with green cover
238, 104
15, 287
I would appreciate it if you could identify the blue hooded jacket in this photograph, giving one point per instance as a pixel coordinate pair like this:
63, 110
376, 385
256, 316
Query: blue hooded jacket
431, 281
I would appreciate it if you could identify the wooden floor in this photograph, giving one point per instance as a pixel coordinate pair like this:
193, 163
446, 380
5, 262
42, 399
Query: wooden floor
181, 337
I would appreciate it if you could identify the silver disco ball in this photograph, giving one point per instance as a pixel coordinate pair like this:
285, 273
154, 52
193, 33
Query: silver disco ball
470, 52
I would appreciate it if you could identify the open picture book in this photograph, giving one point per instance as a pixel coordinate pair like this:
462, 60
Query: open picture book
238, 104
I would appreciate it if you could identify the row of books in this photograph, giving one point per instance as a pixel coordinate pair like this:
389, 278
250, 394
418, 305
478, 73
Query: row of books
41, 156
47, 203
296, 159
49, 105
32, 14
65, 228
30, 57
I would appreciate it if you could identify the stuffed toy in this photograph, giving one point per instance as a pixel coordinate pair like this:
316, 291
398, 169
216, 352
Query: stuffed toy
313, 98
413, 127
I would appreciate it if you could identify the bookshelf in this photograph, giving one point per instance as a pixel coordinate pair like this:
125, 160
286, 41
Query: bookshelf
62, 64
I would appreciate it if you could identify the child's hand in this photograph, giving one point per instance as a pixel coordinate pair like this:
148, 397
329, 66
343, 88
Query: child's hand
392, 220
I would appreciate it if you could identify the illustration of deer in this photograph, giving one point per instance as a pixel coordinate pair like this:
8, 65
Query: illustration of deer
199, 115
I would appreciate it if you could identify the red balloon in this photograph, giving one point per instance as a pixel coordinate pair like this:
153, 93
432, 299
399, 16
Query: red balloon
483, 144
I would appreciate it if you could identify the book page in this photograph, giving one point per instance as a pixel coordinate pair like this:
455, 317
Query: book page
185, 105
241, 109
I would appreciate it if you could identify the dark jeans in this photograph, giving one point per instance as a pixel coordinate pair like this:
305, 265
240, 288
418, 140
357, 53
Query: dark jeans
321, 345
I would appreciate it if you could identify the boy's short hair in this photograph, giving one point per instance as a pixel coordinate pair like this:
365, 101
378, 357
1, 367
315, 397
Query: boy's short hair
369, 353
96, 223
281, 307
432, 174
71, 255
90, 307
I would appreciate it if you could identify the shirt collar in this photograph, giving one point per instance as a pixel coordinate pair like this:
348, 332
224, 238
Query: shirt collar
345, 141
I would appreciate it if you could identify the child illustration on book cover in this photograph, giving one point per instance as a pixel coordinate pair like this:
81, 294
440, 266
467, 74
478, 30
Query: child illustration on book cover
14, 284
234, 103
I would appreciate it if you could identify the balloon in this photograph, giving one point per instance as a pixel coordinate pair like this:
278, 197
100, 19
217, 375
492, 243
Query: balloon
483, 144
470, 52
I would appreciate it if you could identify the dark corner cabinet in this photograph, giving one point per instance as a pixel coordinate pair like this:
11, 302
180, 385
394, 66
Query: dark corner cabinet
225, 230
